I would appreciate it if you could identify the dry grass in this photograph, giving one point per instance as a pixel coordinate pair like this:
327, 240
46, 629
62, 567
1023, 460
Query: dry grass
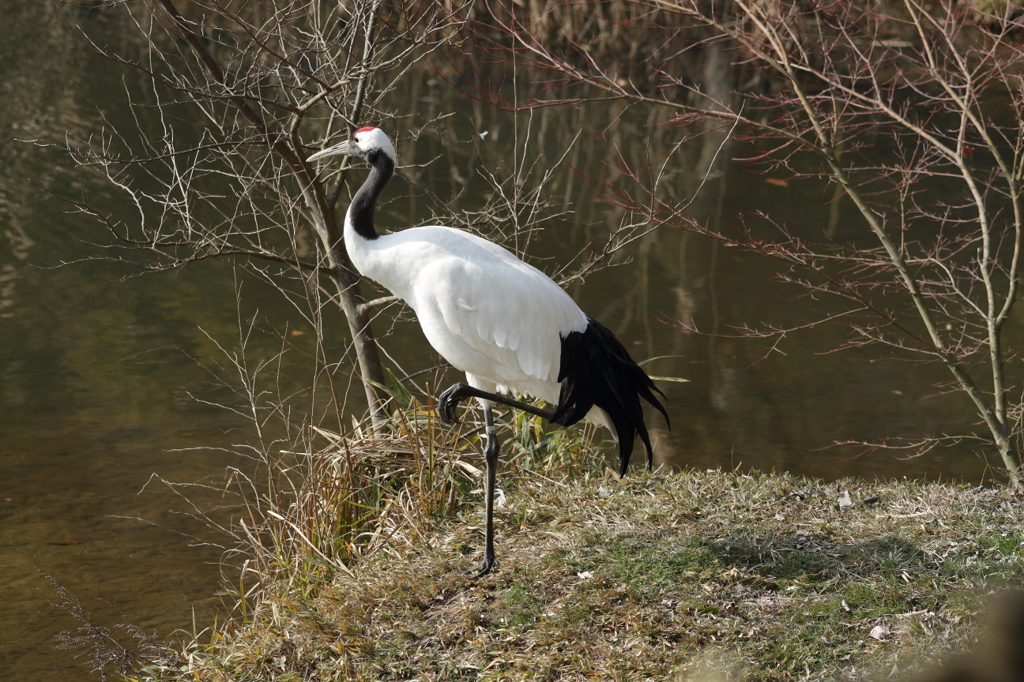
657, 577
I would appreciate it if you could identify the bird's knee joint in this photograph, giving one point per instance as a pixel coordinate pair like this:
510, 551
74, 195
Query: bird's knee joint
492, 448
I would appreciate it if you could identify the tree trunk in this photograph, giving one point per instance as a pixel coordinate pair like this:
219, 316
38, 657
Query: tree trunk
1011, 460
370, 368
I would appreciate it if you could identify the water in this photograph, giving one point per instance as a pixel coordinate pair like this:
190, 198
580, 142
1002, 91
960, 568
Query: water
99, 378
94, 381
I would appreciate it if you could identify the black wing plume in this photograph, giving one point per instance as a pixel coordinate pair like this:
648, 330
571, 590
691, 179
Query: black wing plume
595, 369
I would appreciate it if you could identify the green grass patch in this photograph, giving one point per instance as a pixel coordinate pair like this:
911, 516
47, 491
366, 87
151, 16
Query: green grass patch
656, 577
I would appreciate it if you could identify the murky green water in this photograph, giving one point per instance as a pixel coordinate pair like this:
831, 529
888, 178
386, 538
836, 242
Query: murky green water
99, 377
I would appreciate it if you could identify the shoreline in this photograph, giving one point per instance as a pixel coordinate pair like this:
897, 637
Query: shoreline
657, 576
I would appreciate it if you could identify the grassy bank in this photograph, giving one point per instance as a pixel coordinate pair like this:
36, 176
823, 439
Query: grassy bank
655, 577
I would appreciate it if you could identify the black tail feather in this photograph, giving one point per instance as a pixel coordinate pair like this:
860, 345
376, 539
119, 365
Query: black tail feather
596, 370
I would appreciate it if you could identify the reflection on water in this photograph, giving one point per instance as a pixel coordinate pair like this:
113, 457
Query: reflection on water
93, 381
96, 374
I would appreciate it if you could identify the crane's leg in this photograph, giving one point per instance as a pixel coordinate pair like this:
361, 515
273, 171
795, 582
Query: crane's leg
491, 458
449, 400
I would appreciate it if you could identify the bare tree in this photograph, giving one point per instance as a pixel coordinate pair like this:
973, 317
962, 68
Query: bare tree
241, 93
915, 114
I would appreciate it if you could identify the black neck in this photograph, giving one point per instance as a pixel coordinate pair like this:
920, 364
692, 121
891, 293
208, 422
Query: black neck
360, 212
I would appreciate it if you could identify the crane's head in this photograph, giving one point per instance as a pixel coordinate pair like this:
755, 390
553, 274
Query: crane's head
365, 143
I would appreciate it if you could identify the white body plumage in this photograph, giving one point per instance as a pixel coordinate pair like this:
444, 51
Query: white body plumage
485, 311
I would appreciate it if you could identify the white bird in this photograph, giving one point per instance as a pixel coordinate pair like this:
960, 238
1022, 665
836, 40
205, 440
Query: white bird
506, 324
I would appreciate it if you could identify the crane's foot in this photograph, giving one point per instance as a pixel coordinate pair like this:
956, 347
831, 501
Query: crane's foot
449, 401
483, 569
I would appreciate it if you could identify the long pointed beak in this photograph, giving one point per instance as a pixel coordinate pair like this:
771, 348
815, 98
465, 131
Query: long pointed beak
342, 148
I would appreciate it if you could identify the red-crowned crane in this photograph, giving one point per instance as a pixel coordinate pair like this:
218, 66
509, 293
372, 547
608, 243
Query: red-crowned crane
506, 324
